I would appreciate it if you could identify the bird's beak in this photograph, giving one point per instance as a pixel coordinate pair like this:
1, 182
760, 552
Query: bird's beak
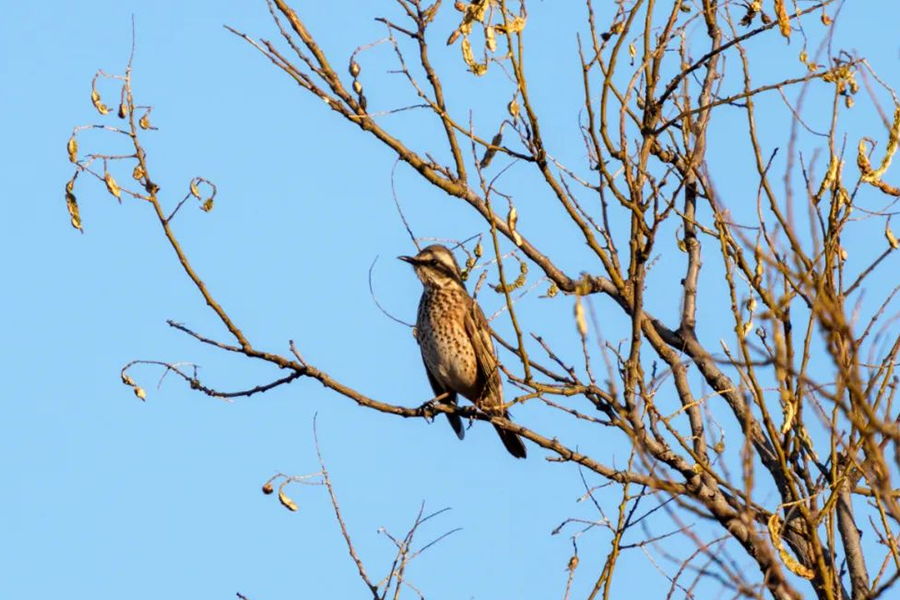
410, 259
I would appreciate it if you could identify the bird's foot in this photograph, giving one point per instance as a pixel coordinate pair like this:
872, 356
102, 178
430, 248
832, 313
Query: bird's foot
427, 410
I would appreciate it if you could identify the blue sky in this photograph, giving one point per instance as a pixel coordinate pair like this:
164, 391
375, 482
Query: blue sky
109, 497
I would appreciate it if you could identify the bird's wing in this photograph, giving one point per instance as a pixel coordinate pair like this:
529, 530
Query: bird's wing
455, 420
479, 333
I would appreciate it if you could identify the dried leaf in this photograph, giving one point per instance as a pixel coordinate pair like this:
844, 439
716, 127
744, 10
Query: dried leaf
138, 172
95, 100
580, 320
286, 501
72, 148
144, 121
195, 191
140, 393
490, 40
207, 205
784, 23
72, 206
112, 185
892, 240
789, 561
513, 108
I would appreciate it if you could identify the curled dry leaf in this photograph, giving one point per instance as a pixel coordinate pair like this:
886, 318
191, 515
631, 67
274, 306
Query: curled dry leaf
580, 320
72, 206
95, 100
891, 238
789, 561
72, 149
112, 185
784, 22
286, 501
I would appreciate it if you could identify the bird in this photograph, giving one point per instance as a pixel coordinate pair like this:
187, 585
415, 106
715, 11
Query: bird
455, 341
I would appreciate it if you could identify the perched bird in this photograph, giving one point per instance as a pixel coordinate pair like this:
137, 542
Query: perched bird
455, 341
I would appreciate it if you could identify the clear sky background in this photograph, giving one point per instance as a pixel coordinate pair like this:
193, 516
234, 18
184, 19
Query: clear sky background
105, 496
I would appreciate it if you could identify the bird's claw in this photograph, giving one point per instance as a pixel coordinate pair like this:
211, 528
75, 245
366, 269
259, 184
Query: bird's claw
427, 410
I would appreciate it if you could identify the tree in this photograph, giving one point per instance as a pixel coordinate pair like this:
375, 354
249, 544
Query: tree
804, 370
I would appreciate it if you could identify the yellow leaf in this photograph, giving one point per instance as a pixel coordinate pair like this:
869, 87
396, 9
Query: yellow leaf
72, 206
112, 185
95, 100
140, 393
72, 148
207, 205
789, 561
195, 191
490, 40
138, 172
512, 218
632, 50
892, 240
286, 501
479, 250
784, 23
144, 121
580, 321
513, 108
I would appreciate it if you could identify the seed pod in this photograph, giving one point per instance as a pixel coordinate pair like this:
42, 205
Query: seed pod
195, 191
72, 148
354, 68
140, 393
138, 172
144, 121
123, 110
267, 488
479, 250
357, 86
513, 108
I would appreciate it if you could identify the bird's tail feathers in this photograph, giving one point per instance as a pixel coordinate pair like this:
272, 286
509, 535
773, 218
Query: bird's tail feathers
457, 425
512, 442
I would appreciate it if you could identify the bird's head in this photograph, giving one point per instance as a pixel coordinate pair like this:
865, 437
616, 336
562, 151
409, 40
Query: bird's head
435, 267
